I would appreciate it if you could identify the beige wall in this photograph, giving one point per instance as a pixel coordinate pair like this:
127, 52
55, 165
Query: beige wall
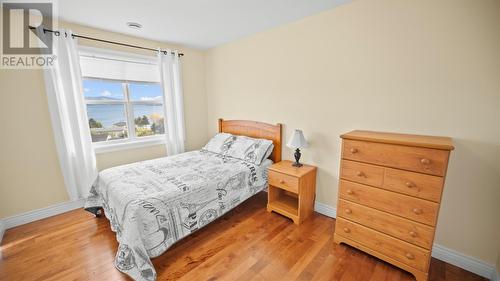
30, 175
425, 67
429, 67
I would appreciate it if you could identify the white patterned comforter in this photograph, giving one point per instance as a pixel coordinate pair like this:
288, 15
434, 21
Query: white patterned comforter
153, 204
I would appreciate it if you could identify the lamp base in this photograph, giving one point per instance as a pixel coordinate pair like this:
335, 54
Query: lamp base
297, 158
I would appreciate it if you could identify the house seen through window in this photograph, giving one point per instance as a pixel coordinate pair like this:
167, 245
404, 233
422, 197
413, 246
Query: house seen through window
122, 110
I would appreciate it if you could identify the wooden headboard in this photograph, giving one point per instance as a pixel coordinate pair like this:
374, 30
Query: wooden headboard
255, 129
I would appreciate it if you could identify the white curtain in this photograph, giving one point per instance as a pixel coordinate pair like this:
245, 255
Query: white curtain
171, 81
63, 84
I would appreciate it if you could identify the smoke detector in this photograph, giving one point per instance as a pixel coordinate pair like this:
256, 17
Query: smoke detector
134, 25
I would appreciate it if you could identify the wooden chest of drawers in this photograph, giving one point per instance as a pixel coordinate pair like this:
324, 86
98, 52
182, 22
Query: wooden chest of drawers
389, 195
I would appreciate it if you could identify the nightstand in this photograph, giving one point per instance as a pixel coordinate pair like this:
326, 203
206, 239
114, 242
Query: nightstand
292, 190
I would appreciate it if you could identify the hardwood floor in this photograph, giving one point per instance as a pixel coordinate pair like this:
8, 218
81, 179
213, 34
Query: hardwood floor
246, 244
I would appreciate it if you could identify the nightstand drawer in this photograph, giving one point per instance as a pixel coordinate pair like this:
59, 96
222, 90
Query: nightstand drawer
284, 181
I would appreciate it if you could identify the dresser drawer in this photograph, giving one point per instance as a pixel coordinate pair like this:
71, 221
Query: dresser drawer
418, 159
398, 204
362, 173
404, 252
404, 229
284, 181
414, 184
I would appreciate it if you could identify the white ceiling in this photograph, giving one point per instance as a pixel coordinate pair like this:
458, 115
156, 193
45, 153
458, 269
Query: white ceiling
196, 23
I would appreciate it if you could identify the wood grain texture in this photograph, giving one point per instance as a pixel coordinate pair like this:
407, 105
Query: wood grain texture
255, 129
284, 181
390, 191
307, 195
444, 143
286, 167
419, 275
403, 252
419, 185
417, 159
362, 173
292, 190
416, 209
414, 184
407, 230
248, 243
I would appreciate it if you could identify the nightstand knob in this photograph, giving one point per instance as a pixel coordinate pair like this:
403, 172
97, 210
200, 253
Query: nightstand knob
409, 256
282, 181
360, 174
410, 184
348, 211
354, 150
417, 211
350, 192
347, 230
413, 234
425, 161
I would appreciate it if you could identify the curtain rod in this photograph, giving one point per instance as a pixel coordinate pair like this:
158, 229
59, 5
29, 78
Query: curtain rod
57, 33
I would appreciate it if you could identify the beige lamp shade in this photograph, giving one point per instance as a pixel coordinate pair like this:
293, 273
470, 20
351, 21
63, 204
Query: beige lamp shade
298, 140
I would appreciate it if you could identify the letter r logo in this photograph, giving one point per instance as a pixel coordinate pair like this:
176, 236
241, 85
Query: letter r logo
17, 37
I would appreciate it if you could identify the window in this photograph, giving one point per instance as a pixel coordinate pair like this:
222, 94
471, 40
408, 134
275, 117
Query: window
121, 110
124, 99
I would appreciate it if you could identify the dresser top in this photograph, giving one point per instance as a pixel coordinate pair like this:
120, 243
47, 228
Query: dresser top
444, 143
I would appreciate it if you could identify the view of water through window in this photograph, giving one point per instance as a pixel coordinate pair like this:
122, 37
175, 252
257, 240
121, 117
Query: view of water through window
108, 103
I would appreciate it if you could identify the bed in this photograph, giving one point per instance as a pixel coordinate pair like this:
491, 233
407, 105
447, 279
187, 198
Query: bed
153, 204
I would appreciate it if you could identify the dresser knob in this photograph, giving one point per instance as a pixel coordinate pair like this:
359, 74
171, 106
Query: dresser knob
347, 230
348, 211
425, 161
350, 192
360, 174
282, 181
409, 256
417, 211
354, 150
413, 234
410, 184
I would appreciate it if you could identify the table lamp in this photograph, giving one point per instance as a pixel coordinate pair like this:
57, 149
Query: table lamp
296, 142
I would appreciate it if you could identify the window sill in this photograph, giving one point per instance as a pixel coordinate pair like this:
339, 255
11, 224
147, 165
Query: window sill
124, 145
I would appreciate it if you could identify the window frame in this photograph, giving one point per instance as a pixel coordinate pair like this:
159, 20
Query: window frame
132, 141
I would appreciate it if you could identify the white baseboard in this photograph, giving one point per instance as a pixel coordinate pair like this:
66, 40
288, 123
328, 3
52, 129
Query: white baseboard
439, 252
2, 230
39, 214
466, 262
324, 209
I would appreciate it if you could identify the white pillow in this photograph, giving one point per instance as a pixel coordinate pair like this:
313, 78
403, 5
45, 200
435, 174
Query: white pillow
219, 143
242, 147
249, 149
